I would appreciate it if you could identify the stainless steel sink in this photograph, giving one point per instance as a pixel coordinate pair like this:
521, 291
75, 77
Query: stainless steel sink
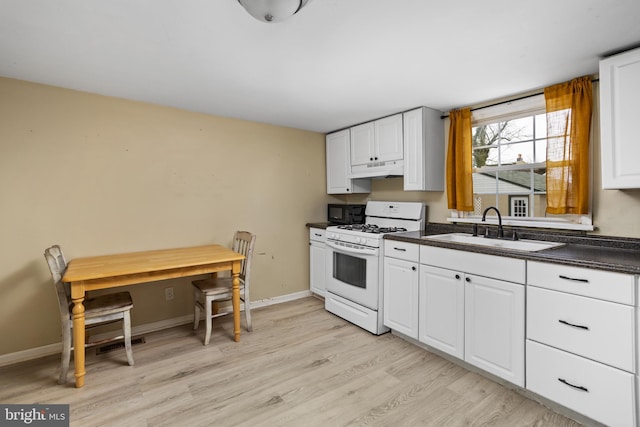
516, 245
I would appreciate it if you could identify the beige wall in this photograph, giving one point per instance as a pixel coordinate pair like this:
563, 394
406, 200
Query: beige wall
100, 175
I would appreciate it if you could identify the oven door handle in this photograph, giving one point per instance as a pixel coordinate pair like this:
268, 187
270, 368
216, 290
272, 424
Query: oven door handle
350, 250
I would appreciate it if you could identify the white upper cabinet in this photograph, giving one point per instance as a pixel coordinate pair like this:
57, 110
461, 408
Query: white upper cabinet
619, 112
377, 141
388, 138
339, 165
409, 144
423, 150
362, 144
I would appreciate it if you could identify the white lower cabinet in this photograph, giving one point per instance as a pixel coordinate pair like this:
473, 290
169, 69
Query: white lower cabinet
598, 330
596, 390
400, 288
317, 260
441, 308
581, 340
494, 327
471, 316
582, 324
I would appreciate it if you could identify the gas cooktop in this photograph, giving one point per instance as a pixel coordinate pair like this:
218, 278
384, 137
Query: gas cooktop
370, 228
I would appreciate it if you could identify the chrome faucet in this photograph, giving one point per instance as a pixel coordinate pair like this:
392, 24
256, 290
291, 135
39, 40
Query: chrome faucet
484, 218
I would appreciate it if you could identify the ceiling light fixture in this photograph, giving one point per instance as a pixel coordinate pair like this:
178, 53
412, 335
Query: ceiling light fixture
272, 10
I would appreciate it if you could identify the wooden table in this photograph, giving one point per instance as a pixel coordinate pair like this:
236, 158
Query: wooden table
110, 271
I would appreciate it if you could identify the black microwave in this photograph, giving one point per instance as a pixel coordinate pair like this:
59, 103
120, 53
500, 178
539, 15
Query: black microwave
345, 213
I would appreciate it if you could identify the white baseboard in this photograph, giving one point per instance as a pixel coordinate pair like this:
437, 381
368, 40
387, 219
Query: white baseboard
280, 299
47, 350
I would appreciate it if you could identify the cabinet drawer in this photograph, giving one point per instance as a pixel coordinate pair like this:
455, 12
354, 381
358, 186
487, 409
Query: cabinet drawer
600, 330
402, 250
606, 285
317, 234
496, 267
600, 392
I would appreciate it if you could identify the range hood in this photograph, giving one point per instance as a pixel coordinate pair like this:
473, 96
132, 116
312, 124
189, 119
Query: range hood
388, 169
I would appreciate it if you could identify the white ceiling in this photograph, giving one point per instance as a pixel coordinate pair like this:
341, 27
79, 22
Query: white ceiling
334, 64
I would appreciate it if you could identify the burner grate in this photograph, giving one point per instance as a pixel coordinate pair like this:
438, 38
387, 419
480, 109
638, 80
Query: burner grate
371, 228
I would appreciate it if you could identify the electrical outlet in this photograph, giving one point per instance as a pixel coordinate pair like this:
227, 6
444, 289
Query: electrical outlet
168, 294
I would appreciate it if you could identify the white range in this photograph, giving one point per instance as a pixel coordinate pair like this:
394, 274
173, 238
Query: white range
355, 260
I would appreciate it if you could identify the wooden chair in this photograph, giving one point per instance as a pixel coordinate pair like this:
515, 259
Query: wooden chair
210, 291
99, 310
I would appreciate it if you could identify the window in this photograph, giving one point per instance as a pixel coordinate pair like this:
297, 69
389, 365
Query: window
509, 165
509, 160
519, 206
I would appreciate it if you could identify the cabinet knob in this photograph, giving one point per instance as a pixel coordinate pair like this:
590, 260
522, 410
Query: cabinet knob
468, 279
370, 158
375, 158
457, 277
413, 268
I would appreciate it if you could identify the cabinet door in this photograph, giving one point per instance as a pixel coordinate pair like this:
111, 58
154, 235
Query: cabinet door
424, 144
362, 142
401, 296
619, 112
339, 165
494, 327
388, 138
441, 310
317, 267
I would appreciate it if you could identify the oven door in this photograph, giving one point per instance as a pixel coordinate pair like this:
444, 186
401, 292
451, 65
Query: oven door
352, 272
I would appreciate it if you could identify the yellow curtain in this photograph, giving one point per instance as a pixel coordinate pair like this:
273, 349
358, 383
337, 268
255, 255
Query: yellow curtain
459, 161
568, 127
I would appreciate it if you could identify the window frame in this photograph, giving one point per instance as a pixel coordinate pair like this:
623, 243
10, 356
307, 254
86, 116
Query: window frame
525, 106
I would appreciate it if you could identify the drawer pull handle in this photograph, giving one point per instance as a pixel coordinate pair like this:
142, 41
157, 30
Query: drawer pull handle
577, 387
564, 322
400, 249
573, 279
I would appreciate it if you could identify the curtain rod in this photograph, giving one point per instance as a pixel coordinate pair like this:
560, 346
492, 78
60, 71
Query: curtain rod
444, 116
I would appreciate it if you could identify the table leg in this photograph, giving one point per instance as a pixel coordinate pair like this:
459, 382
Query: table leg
77, 296
235, 299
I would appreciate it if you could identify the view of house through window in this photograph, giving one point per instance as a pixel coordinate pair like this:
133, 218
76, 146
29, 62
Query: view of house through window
509, 155
509, 166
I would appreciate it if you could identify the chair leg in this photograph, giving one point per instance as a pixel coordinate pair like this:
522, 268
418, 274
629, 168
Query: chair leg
196, 309
66, 353
126, 326
208, 314
247, 314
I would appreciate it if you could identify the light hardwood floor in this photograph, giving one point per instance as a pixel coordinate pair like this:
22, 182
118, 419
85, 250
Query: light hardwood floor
301, 366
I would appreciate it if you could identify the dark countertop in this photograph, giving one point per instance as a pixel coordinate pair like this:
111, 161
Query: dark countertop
322, 225
615, 254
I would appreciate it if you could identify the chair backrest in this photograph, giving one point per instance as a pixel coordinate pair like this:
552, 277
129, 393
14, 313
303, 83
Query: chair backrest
243, 243
57, 266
